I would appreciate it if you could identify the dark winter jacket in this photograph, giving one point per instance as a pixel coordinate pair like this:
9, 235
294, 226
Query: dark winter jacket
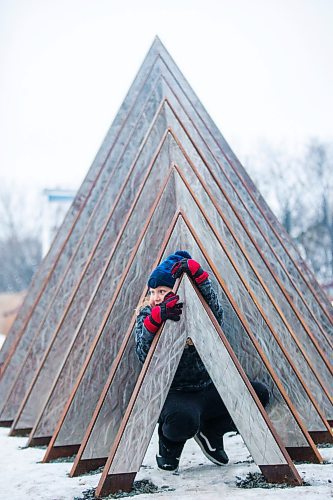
191, 374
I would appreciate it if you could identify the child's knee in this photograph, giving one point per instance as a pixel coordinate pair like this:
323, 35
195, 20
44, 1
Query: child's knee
180, 426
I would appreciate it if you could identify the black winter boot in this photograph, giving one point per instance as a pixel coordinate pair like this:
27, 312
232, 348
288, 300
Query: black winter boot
212, 447
169, 452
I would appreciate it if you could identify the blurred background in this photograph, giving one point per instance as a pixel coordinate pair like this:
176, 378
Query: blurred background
262, 68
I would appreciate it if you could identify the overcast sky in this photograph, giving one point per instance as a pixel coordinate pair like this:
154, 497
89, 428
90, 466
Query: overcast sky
262, 68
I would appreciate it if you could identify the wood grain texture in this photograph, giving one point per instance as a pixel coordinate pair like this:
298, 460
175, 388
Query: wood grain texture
317, 380
23, 378
150, 400
245, 203
105, 289
222, 365
101, 302
158, 48
226, 155
272, 268
263, 333
250, 277
84, 282
109, 411
107, 160
105, 423
112, 329
115, 404
208, 138
49, 262
281, 415
256, 361
152, 387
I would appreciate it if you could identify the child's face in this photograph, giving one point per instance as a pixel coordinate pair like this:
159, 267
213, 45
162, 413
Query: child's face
156, 295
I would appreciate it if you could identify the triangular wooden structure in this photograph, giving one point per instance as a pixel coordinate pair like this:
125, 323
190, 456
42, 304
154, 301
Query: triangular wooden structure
164, 169
108, 247
158, 63
75, 362
26, 375
150, 391
23, 376
112, 328
71, 231
74, 240
69, 435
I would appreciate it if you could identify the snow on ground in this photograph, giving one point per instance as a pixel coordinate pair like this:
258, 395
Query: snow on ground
22, 476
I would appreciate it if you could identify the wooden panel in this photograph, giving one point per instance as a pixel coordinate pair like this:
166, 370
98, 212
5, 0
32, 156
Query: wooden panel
100, 302
121, 135
112, 327
224, 369
90, 275
149, 395
106, 419
249, 210
225, 155
224, 166
260, 325
318, 380
248, 274
49, 262
77, 414
255, 357
150, 400
291, 300
115, 403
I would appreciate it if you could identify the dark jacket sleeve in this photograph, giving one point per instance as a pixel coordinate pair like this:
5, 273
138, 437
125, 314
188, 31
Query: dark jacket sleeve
210, 296
143, 338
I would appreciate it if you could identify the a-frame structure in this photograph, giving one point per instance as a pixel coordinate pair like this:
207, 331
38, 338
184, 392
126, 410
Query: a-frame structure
110, 328
24, 376
164, 179
155, 379
76, 239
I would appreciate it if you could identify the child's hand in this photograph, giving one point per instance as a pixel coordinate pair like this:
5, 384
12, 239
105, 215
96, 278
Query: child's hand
170, 308
190, 267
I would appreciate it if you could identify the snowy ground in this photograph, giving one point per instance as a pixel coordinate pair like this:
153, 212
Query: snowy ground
22, 476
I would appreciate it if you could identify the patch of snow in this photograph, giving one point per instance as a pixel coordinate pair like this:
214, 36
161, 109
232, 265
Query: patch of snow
23, 476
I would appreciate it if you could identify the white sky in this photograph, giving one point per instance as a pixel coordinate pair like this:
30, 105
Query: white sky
262, 68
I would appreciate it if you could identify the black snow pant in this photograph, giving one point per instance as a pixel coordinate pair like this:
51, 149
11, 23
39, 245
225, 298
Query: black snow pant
186, 413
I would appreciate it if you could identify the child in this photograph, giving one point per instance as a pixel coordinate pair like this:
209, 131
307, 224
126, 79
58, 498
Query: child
193, 407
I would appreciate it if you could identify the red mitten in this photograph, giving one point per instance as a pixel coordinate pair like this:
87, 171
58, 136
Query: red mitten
190, 267
170, 308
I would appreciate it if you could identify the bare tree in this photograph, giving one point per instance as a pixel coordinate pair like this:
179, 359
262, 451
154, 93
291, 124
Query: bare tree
276, 174
317, 239
300, 191
20, 248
